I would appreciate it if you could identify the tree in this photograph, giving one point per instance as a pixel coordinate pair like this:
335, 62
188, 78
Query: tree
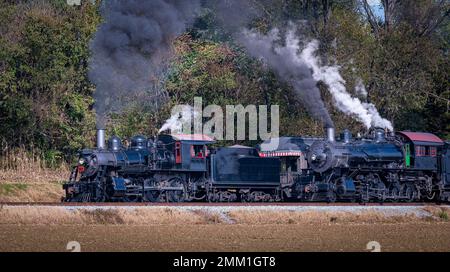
45, 96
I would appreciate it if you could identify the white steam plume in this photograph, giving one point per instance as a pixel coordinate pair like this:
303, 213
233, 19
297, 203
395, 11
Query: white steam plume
364, 112
180, 118
360, 88
289, 68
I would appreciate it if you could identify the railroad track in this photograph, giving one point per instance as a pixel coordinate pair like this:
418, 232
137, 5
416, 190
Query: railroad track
221, 204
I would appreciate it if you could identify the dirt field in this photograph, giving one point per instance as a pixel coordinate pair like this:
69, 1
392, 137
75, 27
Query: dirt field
299, 237
50, 229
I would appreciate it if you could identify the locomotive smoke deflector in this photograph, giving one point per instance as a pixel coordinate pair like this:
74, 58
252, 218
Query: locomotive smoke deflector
100, 138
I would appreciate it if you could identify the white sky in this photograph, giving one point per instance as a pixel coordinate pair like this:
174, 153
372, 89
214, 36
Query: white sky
374, 2
377, 8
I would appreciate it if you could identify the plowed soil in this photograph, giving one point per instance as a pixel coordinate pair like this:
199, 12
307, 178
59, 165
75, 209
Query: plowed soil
414, 236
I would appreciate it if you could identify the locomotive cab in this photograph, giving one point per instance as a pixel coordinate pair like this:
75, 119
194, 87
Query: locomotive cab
183, 152
445, 164
421, 150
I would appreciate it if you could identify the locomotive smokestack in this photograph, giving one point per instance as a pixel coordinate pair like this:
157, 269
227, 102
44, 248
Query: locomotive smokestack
100, 138
330, 134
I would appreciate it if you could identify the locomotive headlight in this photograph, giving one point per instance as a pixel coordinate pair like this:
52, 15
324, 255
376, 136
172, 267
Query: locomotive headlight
81, 161
313, 157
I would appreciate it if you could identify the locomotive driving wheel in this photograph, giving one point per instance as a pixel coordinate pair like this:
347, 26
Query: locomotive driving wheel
394, 192
407, 192
177, 195
331, 197
153, 195
132, 198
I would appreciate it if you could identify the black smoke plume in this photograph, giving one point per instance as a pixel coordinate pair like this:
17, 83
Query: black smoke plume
284, 62
236, 16
130, 50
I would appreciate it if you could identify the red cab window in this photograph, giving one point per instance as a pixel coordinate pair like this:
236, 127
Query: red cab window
198, 151
433, 151
420, 151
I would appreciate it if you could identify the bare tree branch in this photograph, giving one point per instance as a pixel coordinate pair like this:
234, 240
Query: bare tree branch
326, 6
389, 7
431, 27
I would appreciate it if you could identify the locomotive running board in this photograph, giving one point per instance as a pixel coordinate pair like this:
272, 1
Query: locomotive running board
163, 188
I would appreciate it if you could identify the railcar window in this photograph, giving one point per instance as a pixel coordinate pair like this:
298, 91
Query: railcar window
432, 151
292, 163
198, 151
429, 151
420, 151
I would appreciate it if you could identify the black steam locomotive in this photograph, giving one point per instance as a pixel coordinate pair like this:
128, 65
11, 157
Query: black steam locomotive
172, 168
405, 166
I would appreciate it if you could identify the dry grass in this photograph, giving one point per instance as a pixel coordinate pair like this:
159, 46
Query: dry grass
315, 217
61, 216
19, 165
438, 212
34, 175
210, 217
25, 177
20, 158
173, 216
31, 192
